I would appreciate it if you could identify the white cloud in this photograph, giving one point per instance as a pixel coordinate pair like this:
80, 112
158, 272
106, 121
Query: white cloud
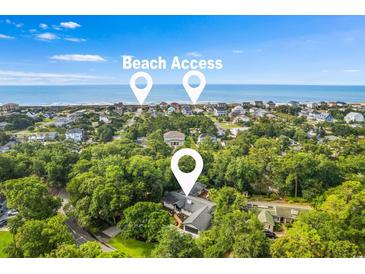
78, 58
194, 54
237, 51
3, 36
22, 77
76, 40
70, 25
43, 26
17, 25
351, 70
47, 36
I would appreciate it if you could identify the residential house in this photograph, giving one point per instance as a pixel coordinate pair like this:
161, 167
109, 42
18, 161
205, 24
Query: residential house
204, 136
104, 119
119, 108
220, 111
186, 110
341, 104
43, 136
62, 121
293, 103
241, 119
354, 117
75, 134
258, 112
236, 130
237, 110
31, 115
246, 105
220, 130
196, 212
10, 107
7, 146
174, 138
271, 213
320, 116
198, 110
175, 105
171, 110
311, 105
259, 104
270, 105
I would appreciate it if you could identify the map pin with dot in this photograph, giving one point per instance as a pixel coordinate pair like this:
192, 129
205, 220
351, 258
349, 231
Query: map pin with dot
187, 180
141, 93
194, 92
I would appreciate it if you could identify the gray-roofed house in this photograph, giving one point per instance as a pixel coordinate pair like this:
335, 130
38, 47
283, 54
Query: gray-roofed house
198, 212
174, 138
75, 134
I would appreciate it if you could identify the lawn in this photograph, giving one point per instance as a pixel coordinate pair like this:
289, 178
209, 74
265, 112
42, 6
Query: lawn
5, 239
133, 248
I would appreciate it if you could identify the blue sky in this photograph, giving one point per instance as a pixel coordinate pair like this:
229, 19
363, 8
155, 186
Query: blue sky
254, 49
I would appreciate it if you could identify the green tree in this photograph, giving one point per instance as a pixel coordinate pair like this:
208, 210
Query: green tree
144, 220
30, 197
230, 232
174, 244
37, 238
301, 241
105, 133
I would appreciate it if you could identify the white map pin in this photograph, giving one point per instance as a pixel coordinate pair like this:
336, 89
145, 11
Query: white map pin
141, 93
194, 93
186, 180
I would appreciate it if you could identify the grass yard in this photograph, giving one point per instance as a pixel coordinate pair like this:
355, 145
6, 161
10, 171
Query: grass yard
133, 248
5, 239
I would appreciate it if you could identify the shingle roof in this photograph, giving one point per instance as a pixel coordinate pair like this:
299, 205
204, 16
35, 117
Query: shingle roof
174, 134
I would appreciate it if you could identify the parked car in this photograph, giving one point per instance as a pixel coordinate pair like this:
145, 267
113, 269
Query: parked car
270, 234
12, 212
3, 223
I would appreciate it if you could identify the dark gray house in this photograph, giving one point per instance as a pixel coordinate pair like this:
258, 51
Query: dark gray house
197, 212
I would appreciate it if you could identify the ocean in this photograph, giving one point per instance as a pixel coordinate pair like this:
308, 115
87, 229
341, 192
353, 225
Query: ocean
109, 94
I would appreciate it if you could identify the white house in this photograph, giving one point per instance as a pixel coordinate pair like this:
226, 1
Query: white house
258, 112
75, 134
174, 138
104, 119
237, 110
43, 136
354, 117
320, 117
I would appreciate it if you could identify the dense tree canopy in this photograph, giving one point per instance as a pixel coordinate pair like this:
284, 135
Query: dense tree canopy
144, 220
